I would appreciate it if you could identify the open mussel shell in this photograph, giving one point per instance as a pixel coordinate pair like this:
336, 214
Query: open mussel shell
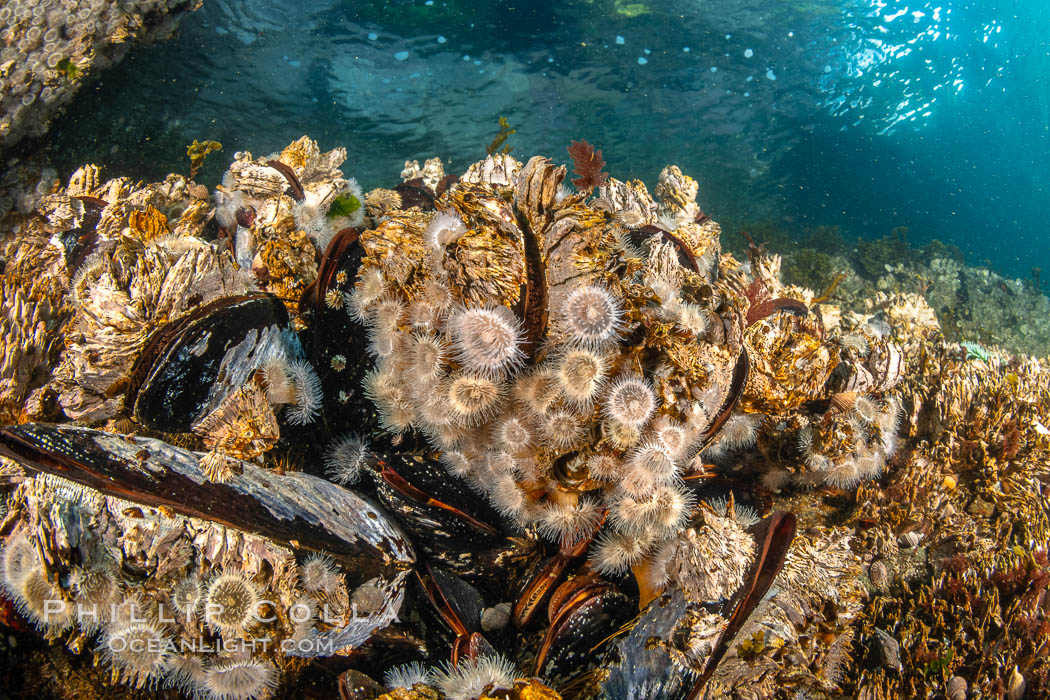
445, 518
584, 612
293, 509
190, 365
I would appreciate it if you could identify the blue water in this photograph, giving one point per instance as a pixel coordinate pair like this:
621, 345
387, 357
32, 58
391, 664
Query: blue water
867, 115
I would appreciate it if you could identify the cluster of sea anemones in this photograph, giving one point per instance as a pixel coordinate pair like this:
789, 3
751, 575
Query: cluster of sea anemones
597, 421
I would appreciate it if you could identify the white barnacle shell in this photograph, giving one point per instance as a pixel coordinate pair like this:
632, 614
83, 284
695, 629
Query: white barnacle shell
708, 561
498, 170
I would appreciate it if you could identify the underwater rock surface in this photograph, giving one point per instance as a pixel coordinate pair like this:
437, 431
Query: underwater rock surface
493, 434
50, 48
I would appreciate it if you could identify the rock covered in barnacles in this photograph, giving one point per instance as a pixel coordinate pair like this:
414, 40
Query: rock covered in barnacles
254, 179
870, 359
816, 595
380, 201
257, 571
631, 201
50, 49
599, 358
790, 364
27, 318
114, 570
676, 193
282, 210
707, 560
909, 314
456, 302
120, 296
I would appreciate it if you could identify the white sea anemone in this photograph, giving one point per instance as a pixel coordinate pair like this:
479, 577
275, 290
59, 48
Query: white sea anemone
186, 674
308, 394
842, 474
241, 679
279, 387
580, 375
507, 497
561, 430
444, 229
513, 434
652, 458
672, 436
604, 467
487, 340
186, 595
592, 317
629, 401
319, 574
740, 431
139, 652
19, 557
866, 410
344, 458
469, 678
369, 289
230, 603
615, 553
405, 676
426, 358
567, 523
473, 399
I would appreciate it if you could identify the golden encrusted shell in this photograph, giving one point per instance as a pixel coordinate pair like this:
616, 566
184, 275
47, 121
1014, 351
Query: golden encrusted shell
83, 181
432, 172
500, 170
630, 202
257, 180
676, 192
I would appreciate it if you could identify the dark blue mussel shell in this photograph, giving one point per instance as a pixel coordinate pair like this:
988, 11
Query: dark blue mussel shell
190, 365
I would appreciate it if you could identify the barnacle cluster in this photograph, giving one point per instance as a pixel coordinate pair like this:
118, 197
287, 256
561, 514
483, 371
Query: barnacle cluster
570, 358
637, 407
49, 46
171, 601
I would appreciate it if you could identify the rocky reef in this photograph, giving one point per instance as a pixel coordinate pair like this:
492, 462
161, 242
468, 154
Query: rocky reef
490, 435
971, 304
50, 48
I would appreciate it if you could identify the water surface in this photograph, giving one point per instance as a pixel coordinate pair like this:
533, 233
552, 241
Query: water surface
867, 115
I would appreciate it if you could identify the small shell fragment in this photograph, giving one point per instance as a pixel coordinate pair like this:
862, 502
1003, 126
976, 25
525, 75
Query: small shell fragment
956, 688
889, 650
